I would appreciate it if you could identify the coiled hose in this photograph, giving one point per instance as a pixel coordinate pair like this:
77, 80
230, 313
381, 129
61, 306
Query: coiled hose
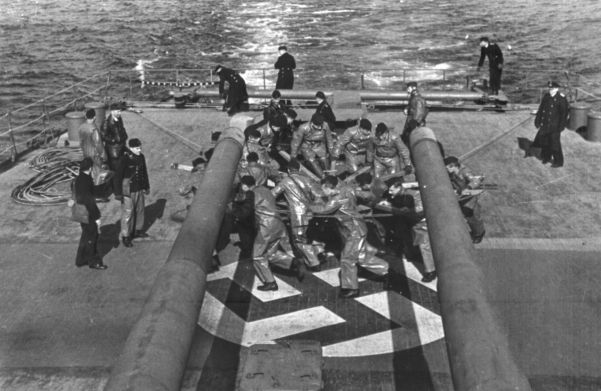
56, 168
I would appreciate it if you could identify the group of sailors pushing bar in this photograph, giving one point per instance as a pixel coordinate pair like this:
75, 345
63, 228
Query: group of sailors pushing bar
310, 192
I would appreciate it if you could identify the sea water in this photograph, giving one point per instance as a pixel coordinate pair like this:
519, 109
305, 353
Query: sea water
46, 45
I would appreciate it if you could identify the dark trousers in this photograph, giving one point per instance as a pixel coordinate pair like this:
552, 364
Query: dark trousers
116, 165
87, 253
495, 79
399, 236
236, 100
246, 231
552, 149
285, 80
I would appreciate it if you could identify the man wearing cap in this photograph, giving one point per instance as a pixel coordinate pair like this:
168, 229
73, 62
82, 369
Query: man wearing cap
495, 63
463, 181
135, 187
285, 66
236, 97
390, 155
83, 190
275, 107
115, 138
416, 111
354, 143
551, 119
314, 142
324, 109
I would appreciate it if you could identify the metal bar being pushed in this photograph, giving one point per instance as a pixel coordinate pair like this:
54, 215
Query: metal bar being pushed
478, 350
156, 351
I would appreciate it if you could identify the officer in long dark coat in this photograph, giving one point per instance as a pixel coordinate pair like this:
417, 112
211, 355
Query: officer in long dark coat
285, 66
551, 119
495, 63
236, 97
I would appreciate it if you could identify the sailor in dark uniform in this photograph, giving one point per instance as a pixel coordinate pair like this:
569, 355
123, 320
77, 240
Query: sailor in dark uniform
416, 111
285, 66
551, 119
495, 63
325, 110
236, 97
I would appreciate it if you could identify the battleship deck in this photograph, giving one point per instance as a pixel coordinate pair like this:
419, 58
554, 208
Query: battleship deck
61, 328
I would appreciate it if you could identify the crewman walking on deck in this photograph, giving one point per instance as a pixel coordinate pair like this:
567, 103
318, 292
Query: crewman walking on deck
551, 119
272, 245
285, 66
342, 202
416, 111
495, 63
236, 97
390, 155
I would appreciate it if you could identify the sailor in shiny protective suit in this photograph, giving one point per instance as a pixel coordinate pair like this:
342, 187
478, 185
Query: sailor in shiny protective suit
390, 155
272, 244
341, 200
300, 191
314, 142
253, 144
354, 143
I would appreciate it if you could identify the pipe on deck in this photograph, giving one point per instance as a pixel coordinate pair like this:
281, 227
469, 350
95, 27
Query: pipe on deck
428, 95
156, 351
266, 93
478, 350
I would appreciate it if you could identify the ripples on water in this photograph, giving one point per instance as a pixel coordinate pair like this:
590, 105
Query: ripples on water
48, 44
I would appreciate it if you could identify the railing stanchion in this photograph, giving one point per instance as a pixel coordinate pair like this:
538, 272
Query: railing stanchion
13, 156
108, 84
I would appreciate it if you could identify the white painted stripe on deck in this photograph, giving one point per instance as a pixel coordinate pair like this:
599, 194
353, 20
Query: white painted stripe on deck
413, 273
270, 329
420, 326
331, 276
284, 290
220, 321
225, 271
551, 244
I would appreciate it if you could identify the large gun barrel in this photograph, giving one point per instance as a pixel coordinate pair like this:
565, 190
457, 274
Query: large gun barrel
478, 351
156, 351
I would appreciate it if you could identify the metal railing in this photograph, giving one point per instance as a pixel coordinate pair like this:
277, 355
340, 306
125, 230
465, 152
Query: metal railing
38, 122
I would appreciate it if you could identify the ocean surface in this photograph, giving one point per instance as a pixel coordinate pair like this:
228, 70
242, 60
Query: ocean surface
47, 45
